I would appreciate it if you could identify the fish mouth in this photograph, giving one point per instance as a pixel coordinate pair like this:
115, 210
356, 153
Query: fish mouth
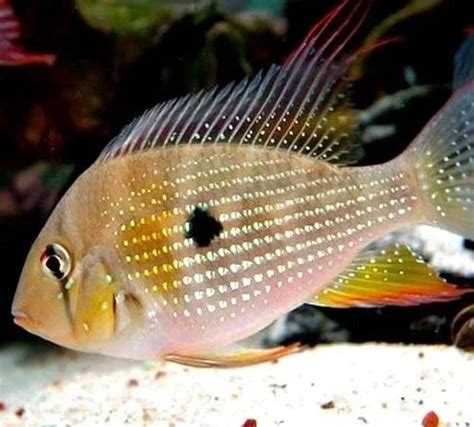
22, 319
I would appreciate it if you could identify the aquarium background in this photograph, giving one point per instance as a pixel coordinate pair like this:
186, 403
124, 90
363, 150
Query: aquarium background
115, 58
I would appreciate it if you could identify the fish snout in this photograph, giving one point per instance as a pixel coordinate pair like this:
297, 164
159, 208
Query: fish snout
22, 319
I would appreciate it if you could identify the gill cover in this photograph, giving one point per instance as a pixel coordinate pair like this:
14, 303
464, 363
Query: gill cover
93, 305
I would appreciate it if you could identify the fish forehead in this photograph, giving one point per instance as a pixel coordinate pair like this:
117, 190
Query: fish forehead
288, 222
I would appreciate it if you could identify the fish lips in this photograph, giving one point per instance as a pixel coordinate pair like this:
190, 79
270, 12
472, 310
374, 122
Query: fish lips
24, 321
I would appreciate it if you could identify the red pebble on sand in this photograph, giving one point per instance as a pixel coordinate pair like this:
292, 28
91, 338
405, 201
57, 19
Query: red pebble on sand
430, 420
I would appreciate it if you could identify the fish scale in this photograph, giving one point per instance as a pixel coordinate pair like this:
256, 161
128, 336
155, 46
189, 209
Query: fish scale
278, 240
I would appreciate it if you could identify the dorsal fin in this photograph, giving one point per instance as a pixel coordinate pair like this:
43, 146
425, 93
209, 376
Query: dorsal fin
300, 106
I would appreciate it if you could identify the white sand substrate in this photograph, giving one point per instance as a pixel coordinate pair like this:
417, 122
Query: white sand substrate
331, 385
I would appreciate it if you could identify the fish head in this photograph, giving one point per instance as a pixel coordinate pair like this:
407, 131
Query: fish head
39, 305
69, 292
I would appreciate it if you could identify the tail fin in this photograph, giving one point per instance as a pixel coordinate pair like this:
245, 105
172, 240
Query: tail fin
464, 63
443, 157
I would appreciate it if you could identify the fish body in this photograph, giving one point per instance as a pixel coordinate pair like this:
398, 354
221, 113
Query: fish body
211, 216
290, 225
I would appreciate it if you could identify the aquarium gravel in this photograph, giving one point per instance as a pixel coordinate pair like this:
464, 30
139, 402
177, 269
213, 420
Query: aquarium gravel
334, 385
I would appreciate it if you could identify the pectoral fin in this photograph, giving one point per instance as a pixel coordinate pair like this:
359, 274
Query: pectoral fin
233, 358
393, 276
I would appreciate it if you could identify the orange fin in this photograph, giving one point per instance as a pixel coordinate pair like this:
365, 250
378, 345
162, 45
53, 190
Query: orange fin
234, 359
393, 276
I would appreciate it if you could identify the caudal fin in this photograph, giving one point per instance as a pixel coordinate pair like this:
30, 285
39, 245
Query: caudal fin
443, 158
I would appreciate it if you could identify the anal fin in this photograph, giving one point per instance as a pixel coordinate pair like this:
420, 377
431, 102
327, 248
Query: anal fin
233, 358
390, 276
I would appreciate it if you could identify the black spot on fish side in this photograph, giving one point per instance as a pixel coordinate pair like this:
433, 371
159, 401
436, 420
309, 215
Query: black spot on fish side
202, 227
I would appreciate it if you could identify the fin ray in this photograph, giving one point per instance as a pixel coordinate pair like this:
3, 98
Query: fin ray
442, 156
11, 51
393, 276
233, 358
464, 63
300, 106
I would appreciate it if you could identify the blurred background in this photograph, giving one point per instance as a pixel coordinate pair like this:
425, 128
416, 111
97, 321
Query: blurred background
108, 60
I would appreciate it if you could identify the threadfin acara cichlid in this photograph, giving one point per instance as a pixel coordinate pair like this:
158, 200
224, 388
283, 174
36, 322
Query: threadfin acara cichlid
212, 215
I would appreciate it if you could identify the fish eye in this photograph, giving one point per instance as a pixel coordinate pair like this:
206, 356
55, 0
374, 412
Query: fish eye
56, 262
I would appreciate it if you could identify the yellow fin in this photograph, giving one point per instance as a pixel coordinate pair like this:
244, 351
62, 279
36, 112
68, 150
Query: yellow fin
234, 359
392, 276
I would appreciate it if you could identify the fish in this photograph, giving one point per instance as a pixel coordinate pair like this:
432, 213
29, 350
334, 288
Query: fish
212, 215
11, 52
